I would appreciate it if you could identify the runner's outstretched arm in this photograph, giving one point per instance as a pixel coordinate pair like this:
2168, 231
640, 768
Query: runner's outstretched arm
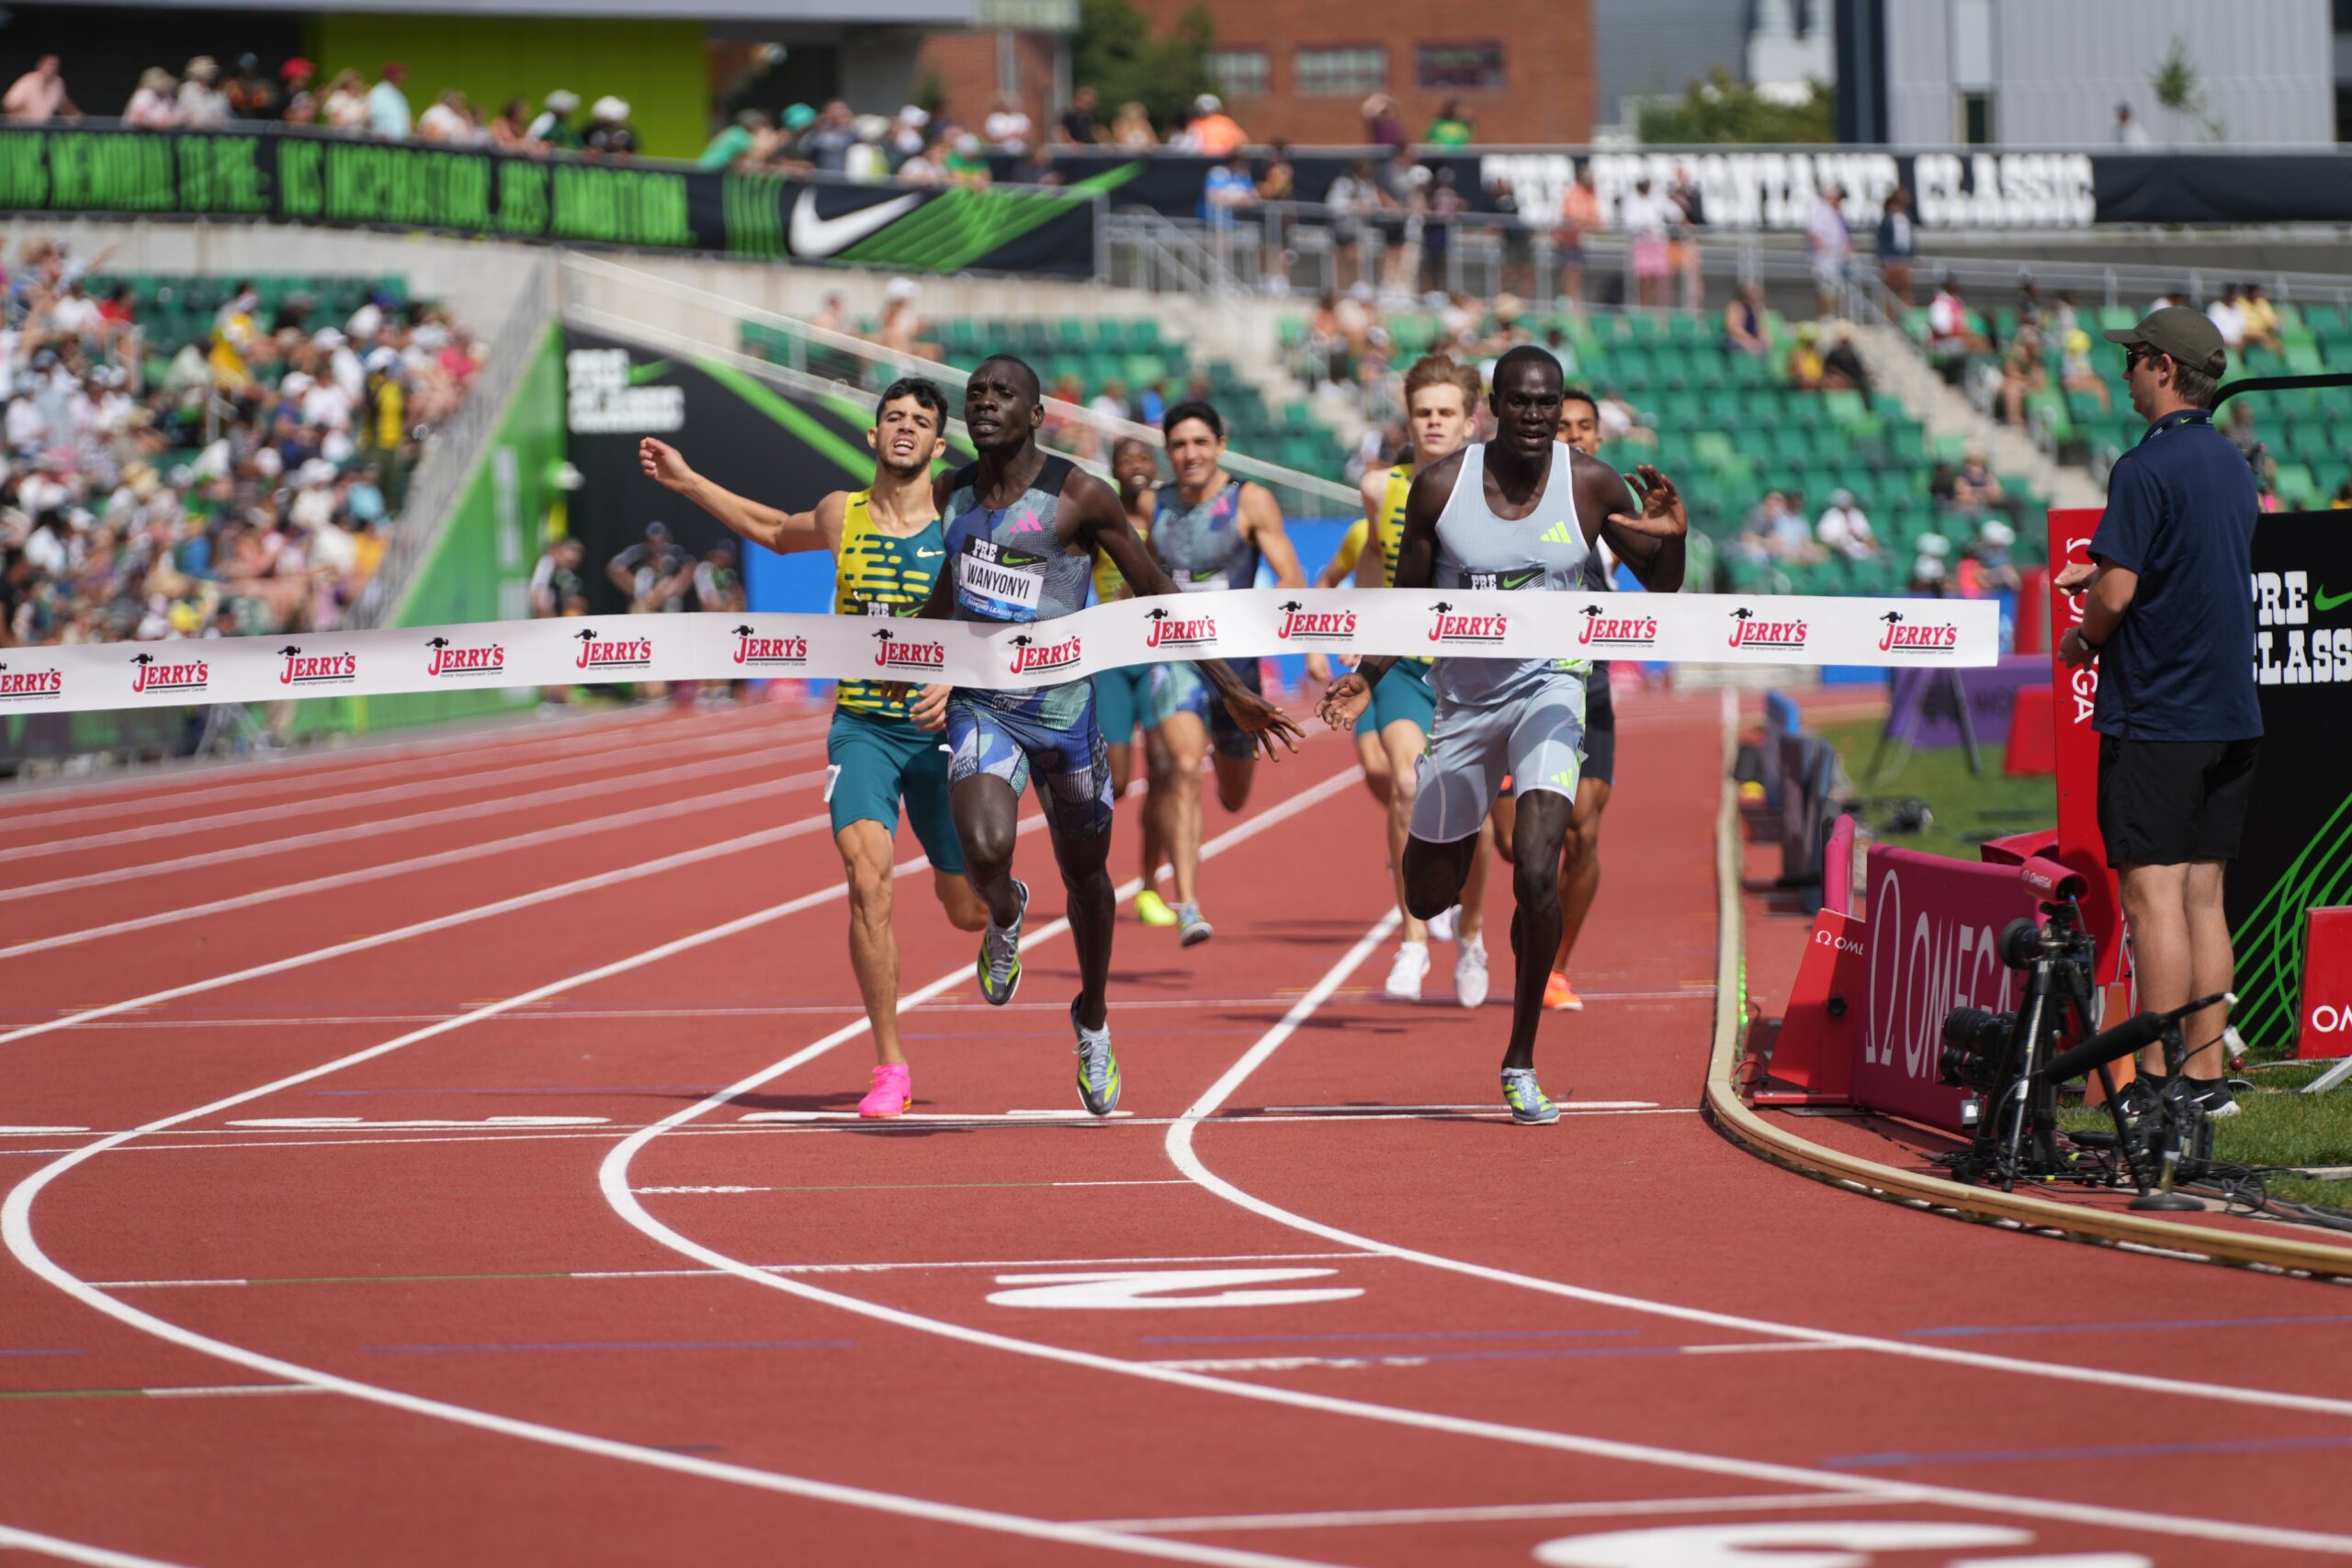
1103, 521
785, 533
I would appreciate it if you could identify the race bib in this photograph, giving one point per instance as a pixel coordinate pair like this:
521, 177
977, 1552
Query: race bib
1528, 577
1202, 584
998, 583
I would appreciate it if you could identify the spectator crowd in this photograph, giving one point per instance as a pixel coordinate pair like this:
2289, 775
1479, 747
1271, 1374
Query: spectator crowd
245, 487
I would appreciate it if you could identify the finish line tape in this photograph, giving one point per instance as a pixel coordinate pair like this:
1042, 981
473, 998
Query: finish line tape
1681, 628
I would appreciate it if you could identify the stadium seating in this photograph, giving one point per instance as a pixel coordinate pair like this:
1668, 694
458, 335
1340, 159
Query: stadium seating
175, 310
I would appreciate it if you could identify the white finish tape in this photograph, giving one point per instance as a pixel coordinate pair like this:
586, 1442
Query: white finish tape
1683, 628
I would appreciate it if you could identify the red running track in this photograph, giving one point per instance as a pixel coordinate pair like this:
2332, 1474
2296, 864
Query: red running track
481, 1188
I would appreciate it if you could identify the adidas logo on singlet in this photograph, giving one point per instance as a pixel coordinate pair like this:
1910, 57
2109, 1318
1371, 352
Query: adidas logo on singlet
1558, 533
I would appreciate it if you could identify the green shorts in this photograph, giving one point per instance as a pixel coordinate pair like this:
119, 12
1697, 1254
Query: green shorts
1122, 702
876, 762
1402, 694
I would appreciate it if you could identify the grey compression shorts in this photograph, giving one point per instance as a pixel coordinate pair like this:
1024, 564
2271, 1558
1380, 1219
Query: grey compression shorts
1536, 740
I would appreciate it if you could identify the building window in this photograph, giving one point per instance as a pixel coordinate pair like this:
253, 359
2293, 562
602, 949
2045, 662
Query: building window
1458, 65
1238, 73
1335, 71
1976, 126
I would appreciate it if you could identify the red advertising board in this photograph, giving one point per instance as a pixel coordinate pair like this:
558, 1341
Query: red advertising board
2327, 986
1933, 934
2071, 693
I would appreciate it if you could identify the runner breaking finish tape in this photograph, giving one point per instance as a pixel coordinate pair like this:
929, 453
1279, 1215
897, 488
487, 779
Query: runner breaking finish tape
1520, 512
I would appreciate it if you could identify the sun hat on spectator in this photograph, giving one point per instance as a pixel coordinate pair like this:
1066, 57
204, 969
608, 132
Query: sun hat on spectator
914, 114
186, 618
609, 107
1934, 545
203, 68
297, 67
296, 383
1207, 103
1998, 533
799, 117
563, 101
327, 338
314, 474
267, 462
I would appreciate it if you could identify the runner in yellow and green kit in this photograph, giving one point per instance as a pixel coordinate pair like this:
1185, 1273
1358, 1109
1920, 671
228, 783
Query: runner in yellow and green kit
1441, 401
888, 549
1122, 696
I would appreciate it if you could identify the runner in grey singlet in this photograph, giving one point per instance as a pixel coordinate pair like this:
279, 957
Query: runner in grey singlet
1520, 717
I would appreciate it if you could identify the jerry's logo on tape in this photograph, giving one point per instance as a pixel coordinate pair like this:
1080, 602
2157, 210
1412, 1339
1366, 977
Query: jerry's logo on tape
152, 674
450, 659
316, 669
1301, 624
611, 653
1902, 636
1746, 631
1616, 631
904, 653
769, 652
1168, 630
23, 686
1449, 628
1030, 656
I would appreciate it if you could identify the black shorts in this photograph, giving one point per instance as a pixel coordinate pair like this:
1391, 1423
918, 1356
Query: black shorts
1599, 729
2170, 802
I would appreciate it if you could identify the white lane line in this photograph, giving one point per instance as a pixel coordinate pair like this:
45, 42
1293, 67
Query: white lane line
38, 1132
15, 1540
1181, 1151
445, 922
1495, 1513
573, 738
439, 816
681, 1009
562, 832
768, 1267
277, 811
613, 1178
17, 1232
223, 1138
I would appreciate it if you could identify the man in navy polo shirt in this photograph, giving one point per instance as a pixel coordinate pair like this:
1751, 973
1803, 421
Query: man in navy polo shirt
2169, 618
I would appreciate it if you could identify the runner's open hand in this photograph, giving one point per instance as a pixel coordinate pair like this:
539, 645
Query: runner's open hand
1344, 701
1262, 721
1662, 515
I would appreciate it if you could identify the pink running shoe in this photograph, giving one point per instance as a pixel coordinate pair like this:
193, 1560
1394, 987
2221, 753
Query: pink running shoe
893, 1091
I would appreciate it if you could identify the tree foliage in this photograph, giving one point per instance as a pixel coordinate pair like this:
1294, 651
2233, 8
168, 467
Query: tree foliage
1720, 109
1115, 52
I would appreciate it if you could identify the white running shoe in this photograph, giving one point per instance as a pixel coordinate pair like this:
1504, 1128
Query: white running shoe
1443, 927
1470, 973
1406, 975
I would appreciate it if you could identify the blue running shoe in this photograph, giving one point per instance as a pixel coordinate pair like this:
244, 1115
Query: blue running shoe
1191, 930
1528, 1105
1098, 1069
999, 966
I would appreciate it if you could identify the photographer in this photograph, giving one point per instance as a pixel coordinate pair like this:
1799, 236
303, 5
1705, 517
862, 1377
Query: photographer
2168, 615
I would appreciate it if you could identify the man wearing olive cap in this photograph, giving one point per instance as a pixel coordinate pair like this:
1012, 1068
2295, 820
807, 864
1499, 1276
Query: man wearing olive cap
2168, 614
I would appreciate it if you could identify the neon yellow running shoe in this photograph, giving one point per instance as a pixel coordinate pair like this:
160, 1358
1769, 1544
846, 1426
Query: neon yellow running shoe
1153, 910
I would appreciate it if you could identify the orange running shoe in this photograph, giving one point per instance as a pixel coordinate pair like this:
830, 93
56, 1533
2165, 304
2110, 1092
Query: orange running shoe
1560, 996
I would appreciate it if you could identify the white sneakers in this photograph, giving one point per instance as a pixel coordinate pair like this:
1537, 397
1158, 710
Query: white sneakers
1412, 966
1406, 975
1470, 973
1443, 927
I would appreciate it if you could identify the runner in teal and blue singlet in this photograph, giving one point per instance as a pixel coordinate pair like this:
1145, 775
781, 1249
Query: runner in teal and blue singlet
1022, 532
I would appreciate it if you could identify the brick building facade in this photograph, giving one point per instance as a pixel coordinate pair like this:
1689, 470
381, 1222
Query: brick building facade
1300, 70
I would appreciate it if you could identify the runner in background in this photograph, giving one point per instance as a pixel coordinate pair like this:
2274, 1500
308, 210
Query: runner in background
1440, 402
1580, 865
887, 549
1123, 697
1209, 531
1370, 756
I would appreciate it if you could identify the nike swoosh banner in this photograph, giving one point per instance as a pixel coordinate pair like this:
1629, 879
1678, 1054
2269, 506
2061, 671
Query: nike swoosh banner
1254, 623
292, 175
